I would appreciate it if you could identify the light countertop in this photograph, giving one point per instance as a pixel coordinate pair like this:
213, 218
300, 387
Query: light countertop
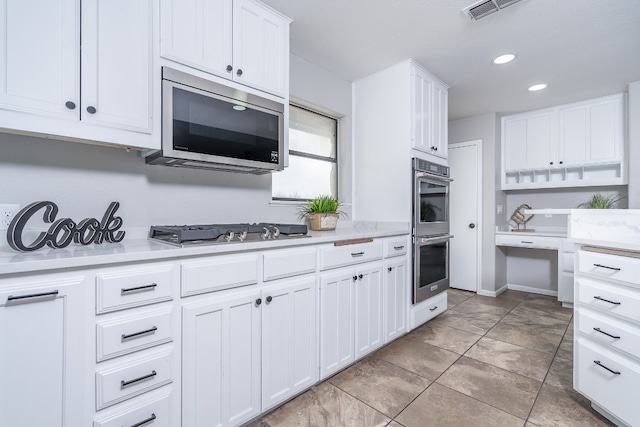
137, 248
609, 228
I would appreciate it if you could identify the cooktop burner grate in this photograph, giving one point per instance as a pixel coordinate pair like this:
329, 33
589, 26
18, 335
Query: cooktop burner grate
182, 235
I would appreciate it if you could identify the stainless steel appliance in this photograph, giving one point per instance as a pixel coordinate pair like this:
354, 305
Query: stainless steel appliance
188, 235
211, 126
430, 229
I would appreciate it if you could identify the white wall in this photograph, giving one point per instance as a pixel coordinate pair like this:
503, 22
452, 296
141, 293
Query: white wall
83, 179
485, 127
634, 145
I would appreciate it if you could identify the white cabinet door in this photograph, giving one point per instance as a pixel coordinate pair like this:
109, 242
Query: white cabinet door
396, 287
198, 33
116, 63
40, 363
528, 141
440, 120
289, 339
221, 359
591, 132
368, 311
39, 57
421, 131
336, 322
260, 47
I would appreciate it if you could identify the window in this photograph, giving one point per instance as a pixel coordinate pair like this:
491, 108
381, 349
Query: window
313, 164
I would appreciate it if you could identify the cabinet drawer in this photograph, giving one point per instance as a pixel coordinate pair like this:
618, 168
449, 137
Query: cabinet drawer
152, 409
395, 247
610, 298
287, 263
610, 332
127, 334
139, 375
339, 256
625, 269
123, 288
528, 241
615, 392
222, 272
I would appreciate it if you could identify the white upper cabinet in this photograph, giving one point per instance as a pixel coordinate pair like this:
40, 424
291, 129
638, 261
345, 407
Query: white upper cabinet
579, 144
429, 113
100, 91
40, 56
241, 40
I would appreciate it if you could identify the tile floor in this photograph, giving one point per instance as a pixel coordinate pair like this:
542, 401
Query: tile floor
504, 361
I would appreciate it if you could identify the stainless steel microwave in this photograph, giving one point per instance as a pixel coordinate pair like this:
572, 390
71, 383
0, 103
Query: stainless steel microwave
208, 125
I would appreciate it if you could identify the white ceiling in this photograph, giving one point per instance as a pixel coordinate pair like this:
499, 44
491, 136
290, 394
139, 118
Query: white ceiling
580, 48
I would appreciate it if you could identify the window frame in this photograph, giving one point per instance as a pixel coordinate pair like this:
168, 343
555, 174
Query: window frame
314, 156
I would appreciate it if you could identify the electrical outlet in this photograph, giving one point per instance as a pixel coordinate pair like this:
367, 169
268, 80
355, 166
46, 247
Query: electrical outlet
7, 212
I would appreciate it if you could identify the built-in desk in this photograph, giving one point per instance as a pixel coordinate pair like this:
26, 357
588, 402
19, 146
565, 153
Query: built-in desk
551, 240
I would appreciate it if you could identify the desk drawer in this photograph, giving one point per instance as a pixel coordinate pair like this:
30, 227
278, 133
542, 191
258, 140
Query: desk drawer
340, 256
610, 267
128, 334
122, 288
528, 241
609, 298
138, 375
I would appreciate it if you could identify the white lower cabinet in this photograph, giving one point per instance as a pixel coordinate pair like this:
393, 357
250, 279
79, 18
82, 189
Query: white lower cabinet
221, 358
41, 334
351, 314
396, 288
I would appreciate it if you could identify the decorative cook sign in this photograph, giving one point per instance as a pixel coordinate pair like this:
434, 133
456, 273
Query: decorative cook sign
64, 230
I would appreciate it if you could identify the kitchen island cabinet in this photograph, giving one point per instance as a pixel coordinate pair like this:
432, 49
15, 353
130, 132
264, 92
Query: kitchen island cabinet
41, 335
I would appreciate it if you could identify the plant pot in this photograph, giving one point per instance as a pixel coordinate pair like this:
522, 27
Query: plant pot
323, 221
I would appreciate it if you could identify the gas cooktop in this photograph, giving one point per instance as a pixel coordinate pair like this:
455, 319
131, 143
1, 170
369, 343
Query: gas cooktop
188, 235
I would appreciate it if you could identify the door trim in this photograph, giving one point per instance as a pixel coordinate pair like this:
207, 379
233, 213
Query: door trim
480, 223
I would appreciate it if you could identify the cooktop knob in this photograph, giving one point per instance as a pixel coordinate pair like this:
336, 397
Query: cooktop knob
265, 233
242, 235
229, 235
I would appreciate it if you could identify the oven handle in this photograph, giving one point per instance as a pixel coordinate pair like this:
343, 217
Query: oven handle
424, 241
432, 176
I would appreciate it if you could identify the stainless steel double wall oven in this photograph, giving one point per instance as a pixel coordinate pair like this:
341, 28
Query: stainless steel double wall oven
430, 229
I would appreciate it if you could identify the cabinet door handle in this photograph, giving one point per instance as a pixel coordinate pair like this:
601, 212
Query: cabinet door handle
229, 68
433, 308
143, 422
70, 105
606, 333
355, 278
389, 269
91, 109
597, 362
606, 300
137, 334
258, 302
23, 298
357, 254
124, 384
239, 72
151, 287
606, 266
269, 299
528, 243
360, 276
398, 248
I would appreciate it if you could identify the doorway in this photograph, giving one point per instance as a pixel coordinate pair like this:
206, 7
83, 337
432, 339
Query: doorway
465, 255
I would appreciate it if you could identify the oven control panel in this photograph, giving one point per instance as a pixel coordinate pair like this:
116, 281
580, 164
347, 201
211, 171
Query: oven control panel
432, 168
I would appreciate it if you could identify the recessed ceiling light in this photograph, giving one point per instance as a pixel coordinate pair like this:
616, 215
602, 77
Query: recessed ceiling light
239, 107
503, 59
537, 87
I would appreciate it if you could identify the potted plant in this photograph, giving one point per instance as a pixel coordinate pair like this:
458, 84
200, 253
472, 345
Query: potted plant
322, 212
598, 201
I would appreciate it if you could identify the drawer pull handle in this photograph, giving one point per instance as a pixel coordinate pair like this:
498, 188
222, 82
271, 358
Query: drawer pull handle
434, 308
607, 334
606, 266
524, 241
151, 287
597, 362
124, 384
137, 334
148, 420
398, 248
606, 300
357, 254
51, 294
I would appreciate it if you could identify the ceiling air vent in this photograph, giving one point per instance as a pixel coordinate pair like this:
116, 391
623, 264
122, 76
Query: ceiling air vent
486, 7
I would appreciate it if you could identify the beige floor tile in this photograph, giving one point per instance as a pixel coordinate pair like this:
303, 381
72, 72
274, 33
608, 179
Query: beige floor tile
531, 337
480, 309
413, 354
439, 406
520, 317
445, 337
394, 424
565, 350
381, 385
324, 405
467, 321
560, 373
557, 406
506, 303
523, 361
456, 296
546, 307
505, 390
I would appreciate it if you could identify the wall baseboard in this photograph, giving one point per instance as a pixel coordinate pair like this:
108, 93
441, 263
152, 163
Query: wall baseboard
493, 293
533, 290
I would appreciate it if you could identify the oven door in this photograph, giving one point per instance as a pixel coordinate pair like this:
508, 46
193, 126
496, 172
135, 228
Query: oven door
431, 266
430, 204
